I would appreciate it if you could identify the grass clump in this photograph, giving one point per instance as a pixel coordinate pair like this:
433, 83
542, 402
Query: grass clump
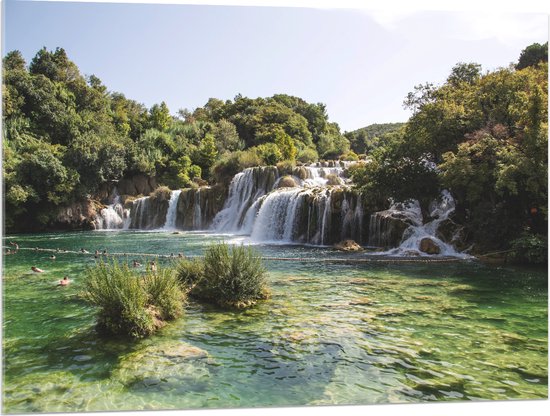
131, 304
231, 277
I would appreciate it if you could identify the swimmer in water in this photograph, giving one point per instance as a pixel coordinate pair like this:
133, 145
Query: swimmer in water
52, 257
136, 263
36, 269
64, 282
84, 251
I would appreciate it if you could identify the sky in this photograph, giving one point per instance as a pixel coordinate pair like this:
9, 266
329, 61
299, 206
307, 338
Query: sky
360, 63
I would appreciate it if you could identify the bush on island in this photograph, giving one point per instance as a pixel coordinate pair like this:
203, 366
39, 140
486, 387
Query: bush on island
131, 304
232, 277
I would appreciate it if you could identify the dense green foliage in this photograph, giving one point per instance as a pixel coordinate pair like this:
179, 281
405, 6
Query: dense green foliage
482, 136
229, 276
532, 55
130, 304
366, 139
65, 135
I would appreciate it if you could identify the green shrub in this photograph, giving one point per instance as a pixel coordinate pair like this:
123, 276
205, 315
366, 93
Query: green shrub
249, 158
308, 155
189, 272
530, 248
350, 155
164, 293
129, 304
286, 167
162, 193
229, 277
269, 153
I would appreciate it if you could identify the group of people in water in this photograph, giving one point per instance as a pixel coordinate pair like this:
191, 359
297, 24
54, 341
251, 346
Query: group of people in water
66, 281
15, 249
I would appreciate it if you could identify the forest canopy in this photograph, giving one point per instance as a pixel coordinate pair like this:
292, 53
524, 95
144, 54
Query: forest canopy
65, 134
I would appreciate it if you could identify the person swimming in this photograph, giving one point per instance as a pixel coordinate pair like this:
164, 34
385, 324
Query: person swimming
36, 269
52, 257
64, 282
136, 263
84, 251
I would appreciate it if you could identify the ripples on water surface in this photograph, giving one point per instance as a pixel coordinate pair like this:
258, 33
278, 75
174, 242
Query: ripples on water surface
331, 334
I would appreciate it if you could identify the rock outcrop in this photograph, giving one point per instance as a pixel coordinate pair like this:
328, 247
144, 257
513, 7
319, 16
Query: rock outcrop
79, 215
348, 245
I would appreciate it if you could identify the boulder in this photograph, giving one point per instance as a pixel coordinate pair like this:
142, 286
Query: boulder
428, 246
348, 245
287, 182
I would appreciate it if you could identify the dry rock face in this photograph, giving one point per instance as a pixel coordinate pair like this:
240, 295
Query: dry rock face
78, 215
137, 185
197, 207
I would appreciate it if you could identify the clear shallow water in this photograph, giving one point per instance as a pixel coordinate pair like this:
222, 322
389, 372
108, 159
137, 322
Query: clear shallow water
332, 333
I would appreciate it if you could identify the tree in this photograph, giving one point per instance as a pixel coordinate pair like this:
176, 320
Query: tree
462, 72
532, 55
160, 118
226, 137
207, 153
14, 61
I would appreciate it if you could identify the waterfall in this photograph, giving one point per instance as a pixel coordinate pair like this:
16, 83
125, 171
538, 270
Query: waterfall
311, 212
113, 216
197, 212
171, 214
245, 188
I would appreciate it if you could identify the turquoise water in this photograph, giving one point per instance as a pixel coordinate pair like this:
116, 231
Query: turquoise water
332, 333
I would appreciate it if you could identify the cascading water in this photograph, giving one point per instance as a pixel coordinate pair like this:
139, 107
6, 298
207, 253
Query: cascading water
113, 216
418, 238
311, 211
171, 214
245, 189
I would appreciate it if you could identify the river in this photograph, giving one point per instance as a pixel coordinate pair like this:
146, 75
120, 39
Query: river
382, 331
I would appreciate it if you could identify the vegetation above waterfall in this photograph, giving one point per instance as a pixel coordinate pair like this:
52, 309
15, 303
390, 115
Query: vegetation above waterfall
66, 134
483, 136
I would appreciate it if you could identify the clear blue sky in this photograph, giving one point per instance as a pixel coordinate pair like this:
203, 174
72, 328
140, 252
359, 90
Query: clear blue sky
360, 64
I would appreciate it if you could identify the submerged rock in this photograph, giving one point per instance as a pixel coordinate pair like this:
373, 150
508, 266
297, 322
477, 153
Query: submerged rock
348, 245
179, 363
428, 246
